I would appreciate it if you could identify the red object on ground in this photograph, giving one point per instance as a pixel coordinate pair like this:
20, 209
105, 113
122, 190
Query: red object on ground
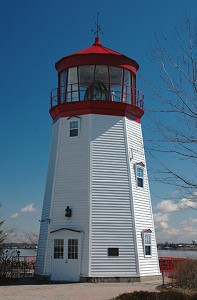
167, 265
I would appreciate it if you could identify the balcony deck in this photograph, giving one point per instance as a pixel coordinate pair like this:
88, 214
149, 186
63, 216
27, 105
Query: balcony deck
96, 98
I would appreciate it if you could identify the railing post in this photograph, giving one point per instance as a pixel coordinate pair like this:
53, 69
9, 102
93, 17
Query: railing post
162, 272
24, 265
12, 267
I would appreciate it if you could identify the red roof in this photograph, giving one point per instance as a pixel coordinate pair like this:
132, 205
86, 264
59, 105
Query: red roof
98, 48
97, 54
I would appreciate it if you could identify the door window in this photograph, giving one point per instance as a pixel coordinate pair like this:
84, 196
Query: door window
72, 249
58, 248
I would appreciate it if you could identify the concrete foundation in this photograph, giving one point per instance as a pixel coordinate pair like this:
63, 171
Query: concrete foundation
120, 279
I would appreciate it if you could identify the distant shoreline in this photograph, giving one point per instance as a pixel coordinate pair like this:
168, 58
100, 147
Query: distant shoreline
179, 249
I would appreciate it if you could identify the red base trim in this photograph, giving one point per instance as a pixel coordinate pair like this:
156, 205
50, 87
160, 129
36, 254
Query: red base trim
96, 107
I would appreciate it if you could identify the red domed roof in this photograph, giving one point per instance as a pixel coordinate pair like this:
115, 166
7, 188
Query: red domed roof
97, 54
97, 48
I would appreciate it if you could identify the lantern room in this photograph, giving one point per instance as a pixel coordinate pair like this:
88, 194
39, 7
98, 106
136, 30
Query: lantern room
97, 74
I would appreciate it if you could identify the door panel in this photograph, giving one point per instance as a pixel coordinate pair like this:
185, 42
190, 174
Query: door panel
65, 259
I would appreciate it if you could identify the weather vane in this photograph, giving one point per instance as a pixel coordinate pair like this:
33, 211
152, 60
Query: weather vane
97, 26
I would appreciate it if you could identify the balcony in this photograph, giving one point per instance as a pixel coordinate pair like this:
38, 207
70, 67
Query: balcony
97, 90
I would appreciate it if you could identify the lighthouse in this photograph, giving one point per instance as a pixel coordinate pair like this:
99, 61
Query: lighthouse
97, 222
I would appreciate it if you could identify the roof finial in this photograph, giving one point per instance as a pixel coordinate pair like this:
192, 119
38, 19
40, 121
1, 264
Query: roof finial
97, 27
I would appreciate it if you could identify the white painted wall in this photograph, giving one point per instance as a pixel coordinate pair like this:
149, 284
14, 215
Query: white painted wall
93, 175
67, 184
43, 245
141, 200
112, 220
72, 186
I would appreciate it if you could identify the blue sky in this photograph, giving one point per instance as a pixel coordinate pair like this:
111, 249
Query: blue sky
33, 36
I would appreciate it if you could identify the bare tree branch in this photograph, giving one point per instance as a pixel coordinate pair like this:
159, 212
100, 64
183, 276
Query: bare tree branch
174, 113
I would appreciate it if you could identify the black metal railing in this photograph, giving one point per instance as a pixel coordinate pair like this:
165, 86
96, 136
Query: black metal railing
17, 266
90, 91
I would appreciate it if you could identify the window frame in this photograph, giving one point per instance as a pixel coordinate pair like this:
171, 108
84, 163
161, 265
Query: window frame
77, 121
73, 249
58, 249
113, 252
139, 179
147, 235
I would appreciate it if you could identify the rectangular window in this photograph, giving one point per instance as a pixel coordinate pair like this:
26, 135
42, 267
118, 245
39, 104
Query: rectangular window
113, 251
72, 249
58, 248
74, 128
147, 243
140, 176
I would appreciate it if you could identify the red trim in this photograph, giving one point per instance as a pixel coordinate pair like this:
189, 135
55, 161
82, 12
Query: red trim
96, 107
96, 59
97, 54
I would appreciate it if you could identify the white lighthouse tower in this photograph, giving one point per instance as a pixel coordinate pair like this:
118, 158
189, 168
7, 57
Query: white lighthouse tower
97, 222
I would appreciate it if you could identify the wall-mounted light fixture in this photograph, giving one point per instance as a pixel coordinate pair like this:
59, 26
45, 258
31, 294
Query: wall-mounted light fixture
68, 212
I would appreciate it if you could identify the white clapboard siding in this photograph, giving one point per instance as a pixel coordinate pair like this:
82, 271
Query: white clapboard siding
71, 187
45, 218
67, 185
94, 175
112, 222
141, 201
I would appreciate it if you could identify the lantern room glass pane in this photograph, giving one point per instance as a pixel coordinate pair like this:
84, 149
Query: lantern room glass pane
101, 83
96, 85
72, 89
86, 73
101, 74
86, 77
133, 84
127, 86
116, 76
97, 82
63, 86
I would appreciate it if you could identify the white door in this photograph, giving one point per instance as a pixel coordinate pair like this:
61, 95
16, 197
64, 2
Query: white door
65, 258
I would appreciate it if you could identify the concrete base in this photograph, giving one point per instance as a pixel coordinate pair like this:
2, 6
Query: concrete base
150, 278
46, 278
120, 279
42, 278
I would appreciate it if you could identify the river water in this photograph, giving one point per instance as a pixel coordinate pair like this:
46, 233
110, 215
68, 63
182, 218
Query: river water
178, 253
161, 253
23, 252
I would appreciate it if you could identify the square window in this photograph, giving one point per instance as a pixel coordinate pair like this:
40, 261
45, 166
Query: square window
74, 128
113, 251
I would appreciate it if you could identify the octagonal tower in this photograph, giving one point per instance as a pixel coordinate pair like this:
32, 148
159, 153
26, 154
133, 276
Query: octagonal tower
97, 221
